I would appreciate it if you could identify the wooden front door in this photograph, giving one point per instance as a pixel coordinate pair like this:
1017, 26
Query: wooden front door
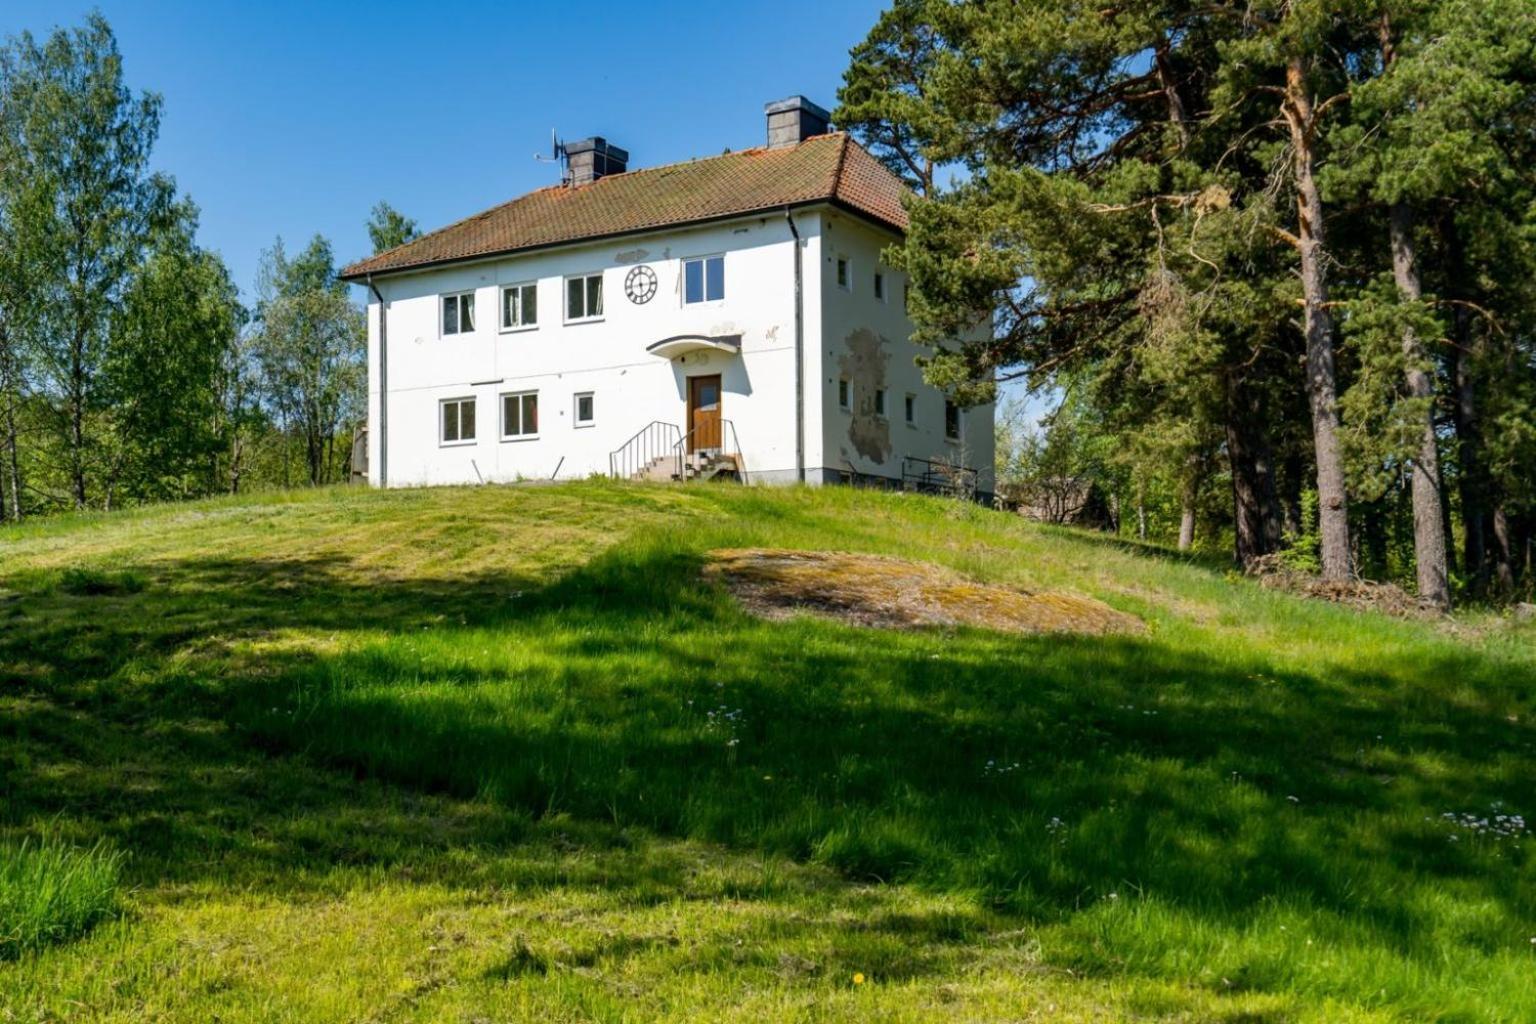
704, 413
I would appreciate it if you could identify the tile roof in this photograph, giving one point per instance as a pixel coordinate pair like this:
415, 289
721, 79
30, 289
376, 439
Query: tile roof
826, 168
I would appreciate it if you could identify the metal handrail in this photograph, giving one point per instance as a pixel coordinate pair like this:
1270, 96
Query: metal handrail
935, 477
726, 427
651, 442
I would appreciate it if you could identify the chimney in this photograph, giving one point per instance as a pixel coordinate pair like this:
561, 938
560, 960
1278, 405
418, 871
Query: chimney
791, 121
589, 159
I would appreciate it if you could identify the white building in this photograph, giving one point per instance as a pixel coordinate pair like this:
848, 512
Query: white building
729, 314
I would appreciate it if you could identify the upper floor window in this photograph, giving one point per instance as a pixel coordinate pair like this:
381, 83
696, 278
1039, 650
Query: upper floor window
704, 279
951, 420
879, 286
458, 313
844, 274
911, 408
520, 415
842, 394
519, 306
456, 420
879, 401
584, 297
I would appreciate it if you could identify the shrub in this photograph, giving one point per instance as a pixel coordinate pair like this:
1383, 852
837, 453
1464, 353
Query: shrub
51, 892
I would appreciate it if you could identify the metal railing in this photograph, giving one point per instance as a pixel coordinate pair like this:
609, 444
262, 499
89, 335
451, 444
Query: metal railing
710, 438
653, 443
928, 476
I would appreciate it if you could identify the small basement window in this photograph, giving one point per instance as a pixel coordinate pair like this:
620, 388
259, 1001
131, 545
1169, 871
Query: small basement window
584, 409
520, 415
519, 306
458, 313
842, 394
703, 279
951, 420
456, 420
584, 297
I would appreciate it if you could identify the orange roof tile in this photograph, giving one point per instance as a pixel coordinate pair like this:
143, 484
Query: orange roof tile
828, 168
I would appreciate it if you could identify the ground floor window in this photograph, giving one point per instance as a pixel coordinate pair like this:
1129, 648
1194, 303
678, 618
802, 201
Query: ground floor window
951, 420
584, 409
520, 415
456, 420
911, 408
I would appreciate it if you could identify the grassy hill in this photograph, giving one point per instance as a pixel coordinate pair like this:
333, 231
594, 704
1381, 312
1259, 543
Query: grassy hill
500, 754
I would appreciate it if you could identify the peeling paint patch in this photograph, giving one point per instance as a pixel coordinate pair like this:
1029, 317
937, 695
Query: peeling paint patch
864, 368
631, 256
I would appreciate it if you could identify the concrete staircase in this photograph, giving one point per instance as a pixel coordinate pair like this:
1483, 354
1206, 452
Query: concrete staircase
695, 466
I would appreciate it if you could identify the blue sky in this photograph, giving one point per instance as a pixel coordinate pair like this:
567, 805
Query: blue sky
290, 118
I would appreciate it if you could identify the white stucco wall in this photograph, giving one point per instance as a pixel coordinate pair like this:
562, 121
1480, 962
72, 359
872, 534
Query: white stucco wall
867, 340
632, 387
608, 357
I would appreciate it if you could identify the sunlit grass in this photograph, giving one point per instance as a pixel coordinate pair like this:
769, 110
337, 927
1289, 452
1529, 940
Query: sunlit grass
503, 752
50, 892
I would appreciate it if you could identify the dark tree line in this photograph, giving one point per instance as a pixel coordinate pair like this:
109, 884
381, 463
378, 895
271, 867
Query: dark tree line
1284, 246
129, 369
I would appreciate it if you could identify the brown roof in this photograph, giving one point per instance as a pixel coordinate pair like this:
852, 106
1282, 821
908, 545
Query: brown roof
828, 168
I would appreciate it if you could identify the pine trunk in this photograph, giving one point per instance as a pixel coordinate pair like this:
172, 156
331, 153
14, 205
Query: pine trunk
1322, 386
1428, 521
1256, 512
1187, 527
1471, 476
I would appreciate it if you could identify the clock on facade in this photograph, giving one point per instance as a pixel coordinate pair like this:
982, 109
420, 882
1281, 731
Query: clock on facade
640, 285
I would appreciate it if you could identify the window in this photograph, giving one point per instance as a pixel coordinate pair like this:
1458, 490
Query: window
911, 410
458, 313
584, 297
844, 279
879, 401
704, 279
879, 286
951, 420
456, 420
520, 415
584, 417
842, 394
519, 306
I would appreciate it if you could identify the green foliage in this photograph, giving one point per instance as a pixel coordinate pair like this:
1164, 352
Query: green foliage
51, 893
1300, 553
388, 228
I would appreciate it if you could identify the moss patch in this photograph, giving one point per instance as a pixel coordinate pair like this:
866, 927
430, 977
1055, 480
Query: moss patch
893, 593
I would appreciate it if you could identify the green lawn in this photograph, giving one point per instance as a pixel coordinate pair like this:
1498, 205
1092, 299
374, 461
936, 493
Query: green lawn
498, 754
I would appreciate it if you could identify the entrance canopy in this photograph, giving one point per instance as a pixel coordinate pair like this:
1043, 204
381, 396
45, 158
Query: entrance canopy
683, 344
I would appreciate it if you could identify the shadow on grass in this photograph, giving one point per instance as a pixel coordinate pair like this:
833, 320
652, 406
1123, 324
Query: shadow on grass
1040, 773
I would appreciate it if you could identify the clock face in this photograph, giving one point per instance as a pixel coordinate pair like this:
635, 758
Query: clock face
640, 285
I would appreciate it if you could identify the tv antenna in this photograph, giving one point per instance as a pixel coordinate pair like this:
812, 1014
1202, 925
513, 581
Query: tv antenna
556, 151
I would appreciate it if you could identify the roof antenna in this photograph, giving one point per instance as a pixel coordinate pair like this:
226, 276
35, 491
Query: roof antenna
556, 155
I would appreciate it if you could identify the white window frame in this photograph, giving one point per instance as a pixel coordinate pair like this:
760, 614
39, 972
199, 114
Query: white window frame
842, 267
576, 421
501, 413
959, 422
845, 394
442, 319
909, 409
501, 308
683, 279
880, 285
586, 295
442, 421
